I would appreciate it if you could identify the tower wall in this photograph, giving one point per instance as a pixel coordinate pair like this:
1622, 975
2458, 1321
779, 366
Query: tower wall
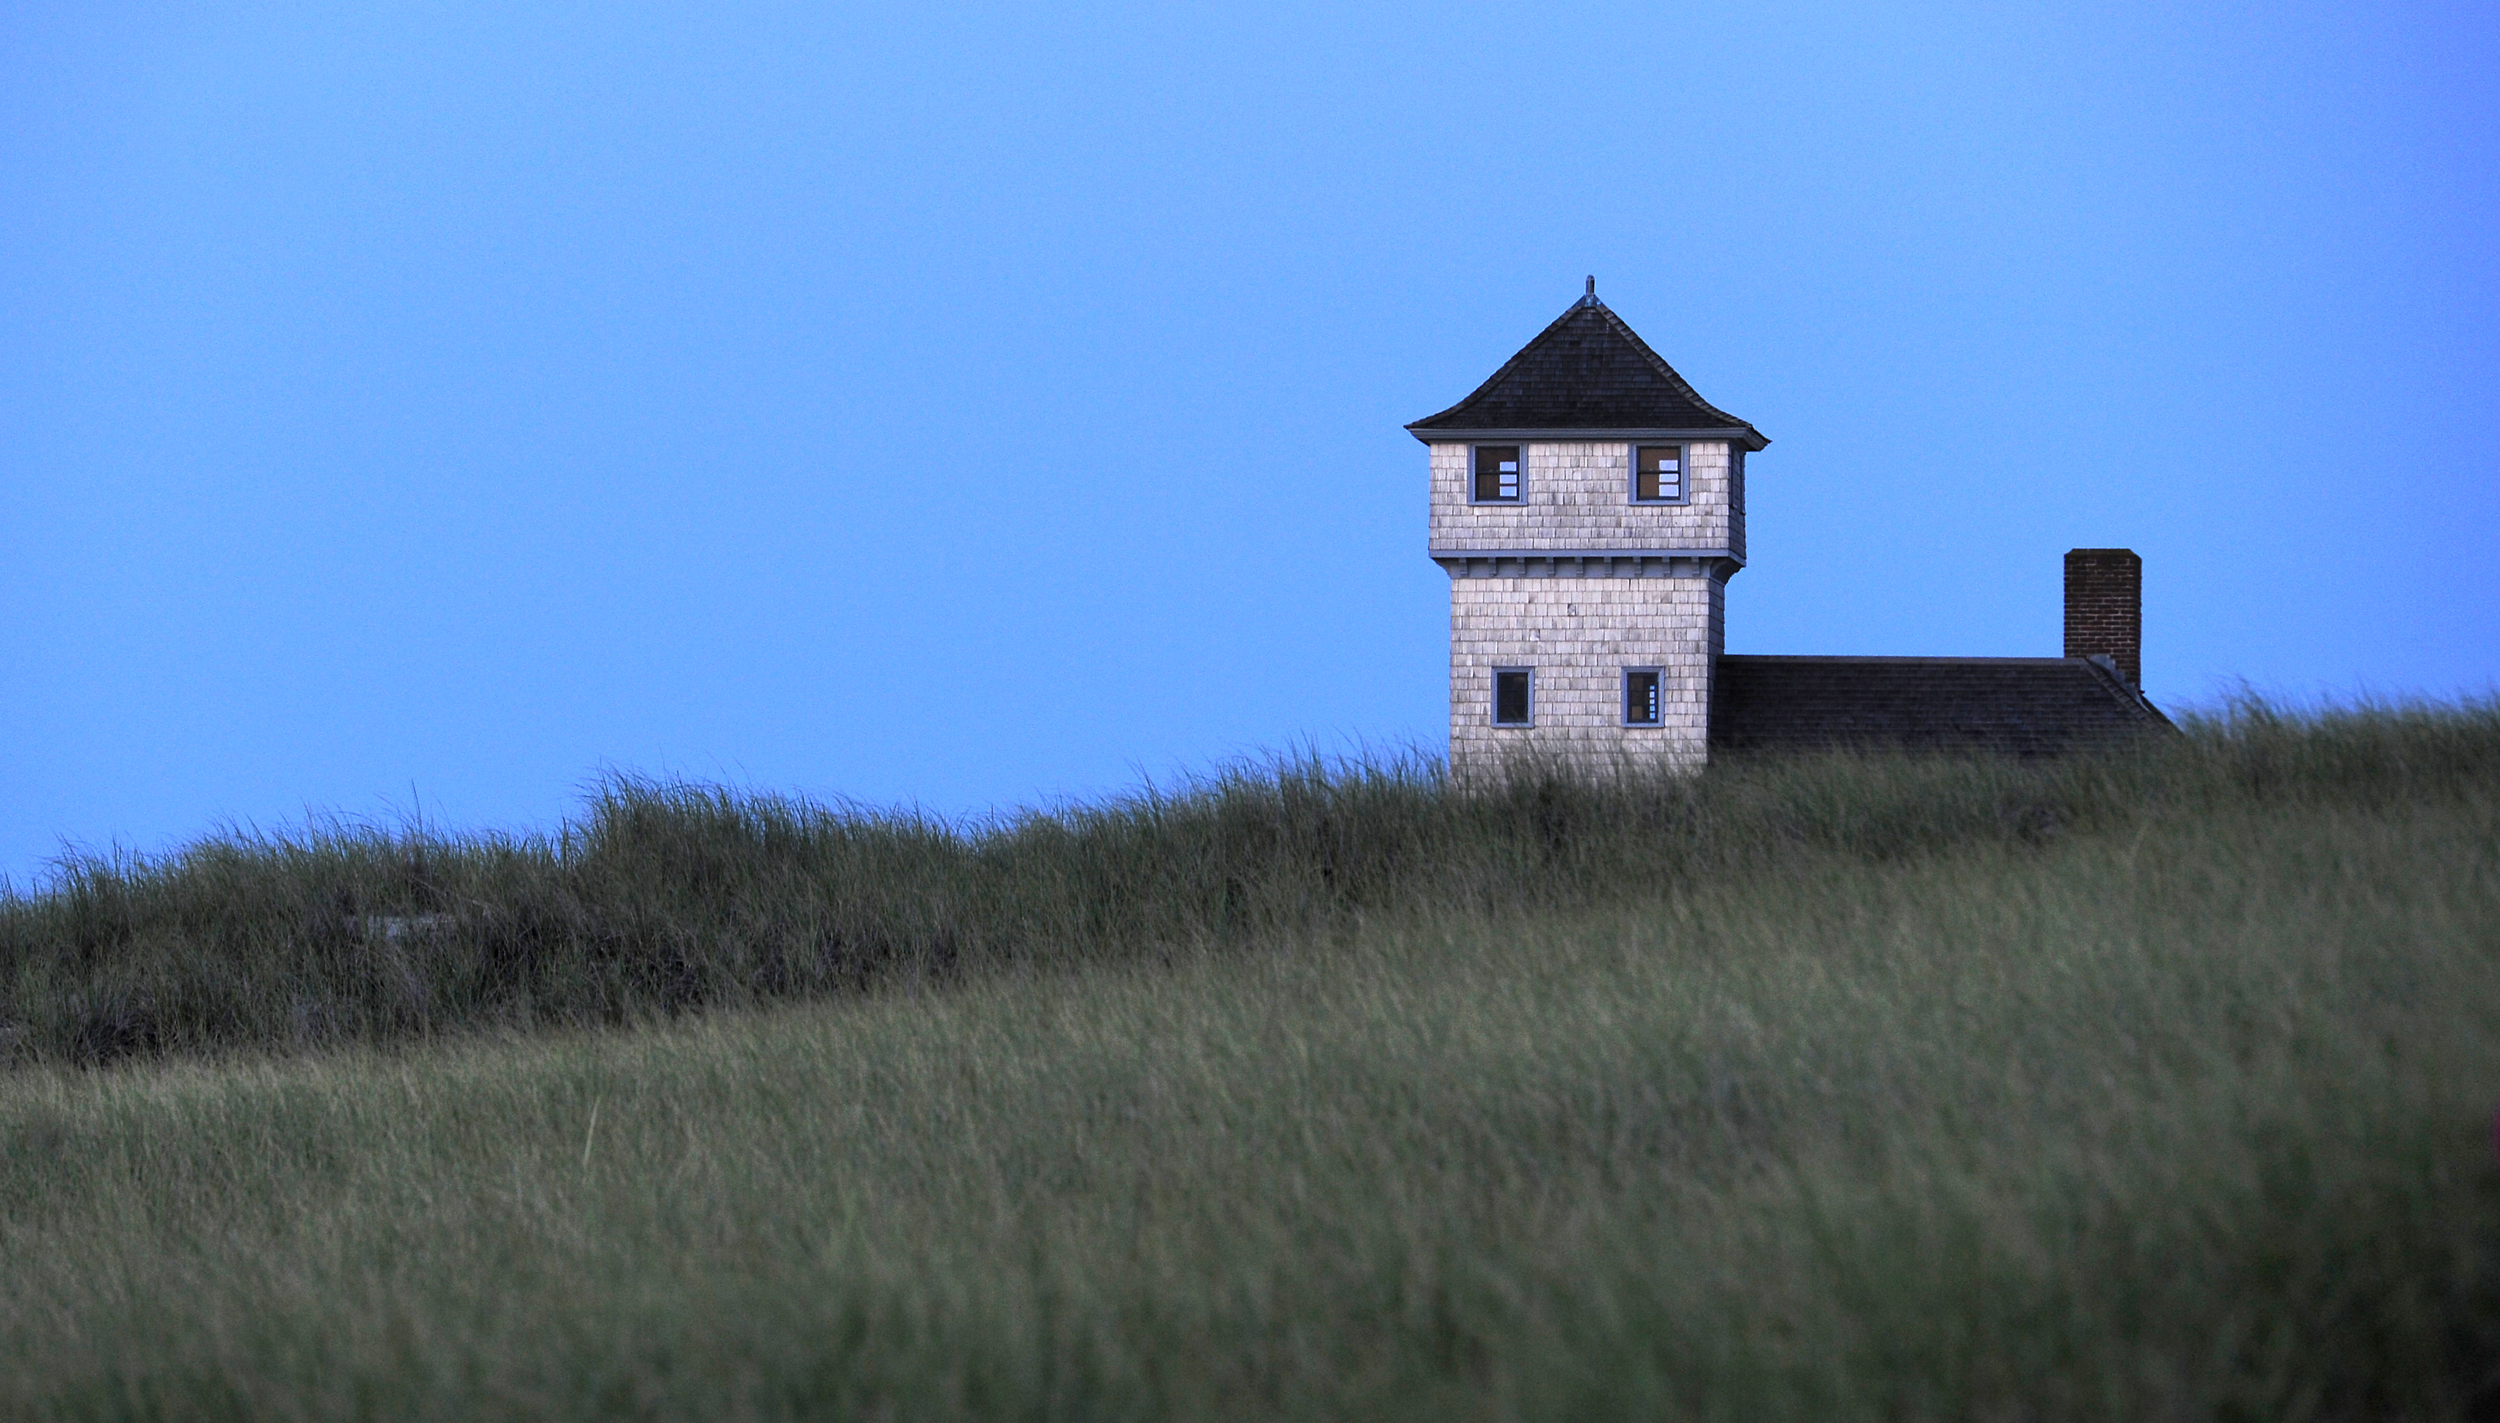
1735, 501
1579, 634
1641, 585
1577, 497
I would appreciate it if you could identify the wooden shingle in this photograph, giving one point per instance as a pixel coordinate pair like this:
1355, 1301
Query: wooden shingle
2018, 706
1587, 371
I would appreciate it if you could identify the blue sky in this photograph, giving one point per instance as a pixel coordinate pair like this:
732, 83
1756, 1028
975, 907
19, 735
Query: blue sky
424, 408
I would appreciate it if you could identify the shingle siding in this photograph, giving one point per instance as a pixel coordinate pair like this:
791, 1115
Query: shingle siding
1579, 635
1578, 495
1735, 502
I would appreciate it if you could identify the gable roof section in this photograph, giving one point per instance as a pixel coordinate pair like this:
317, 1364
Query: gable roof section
2018, 706
1586, 372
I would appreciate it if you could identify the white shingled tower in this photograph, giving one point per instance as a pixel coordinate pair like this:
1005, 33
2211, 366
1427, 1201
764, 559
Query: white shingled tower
1589, 508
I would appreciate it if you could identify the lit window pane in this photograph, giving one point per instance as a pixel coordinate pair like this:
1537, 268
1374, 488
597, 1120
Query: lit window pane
1643, 699
1497, 472
1661, 474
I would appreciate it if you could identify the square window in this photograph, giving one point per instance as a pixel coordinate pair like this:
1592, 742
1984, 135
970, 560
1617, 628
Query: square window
1497, 474
1644, 697
1658, 474
1512, 703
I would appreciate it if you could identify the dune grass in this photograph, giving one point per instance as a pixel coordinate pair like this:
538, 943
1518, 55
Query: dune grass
664, 898
2157, 1086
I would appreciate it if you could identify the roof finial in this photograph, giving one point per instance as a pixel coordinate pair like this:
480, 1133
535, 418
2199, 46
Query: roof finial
1592, 291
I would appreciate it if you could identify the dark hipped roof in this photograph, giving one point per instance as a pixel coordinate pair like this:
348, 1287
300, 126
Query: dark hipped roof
1587, 371
2021, 706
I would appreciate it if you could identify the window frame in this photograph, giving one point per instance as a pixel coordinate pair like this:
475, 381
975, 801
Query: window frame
1521, 497
1661, 674
1493, 708
1684, 473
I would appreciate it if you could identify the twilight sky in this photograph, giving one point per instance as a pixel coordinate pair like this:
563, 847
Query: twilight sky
422, 408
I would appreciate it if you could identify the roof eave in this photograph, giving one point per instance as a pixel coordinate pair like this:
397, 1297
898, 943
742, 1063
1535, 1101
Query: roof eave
1745, 435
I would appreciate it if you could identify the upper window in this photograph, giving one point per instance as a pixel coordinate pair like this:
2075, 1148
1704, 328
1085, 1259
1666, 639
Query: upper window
1497, 474
1658, 474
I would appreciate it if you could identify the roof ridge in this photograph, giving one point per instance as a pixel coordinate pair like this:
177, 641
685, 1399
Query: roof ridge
1887, 657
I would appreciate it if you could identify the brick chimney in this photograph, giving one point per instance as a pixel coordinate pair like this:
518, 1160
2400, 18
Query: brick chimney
2105, 608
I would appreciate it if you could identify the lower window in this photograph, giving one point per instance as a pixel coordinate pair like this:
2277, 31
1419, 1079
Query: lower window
1644, 697
1513, 696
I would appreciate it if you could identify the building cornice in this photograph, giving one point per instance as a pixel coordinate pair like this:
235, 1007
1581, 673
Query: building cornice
1716, 563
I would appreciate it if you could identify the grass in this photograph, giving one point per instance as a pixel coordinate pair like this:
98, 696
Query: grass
2153, 1086
667, 898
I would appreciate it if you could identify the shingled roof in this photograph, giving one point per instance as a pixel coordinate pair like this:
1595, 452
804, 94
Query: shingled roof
1587, 372
2020, 706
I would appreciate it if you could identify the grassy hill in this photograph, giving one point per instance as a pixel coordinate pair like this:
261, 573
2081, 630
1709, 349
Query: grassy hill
2151, 1086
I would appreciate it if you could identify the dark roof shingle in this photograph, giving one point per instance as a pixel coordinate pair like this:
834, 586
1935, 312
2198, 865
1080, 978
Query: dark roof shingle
1587, 371
2020, 706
